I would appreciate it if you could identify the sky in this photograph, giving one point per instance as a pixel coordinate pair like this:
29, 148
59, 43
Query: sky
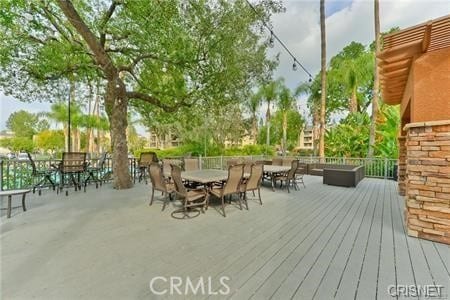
299, 29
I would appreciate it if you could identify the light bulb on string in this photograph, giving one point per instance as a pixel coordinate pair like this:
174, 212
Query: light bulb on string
294, 66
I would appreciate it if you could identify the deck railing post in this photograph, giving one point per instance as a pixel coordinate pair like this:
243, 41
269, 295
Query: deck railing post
1, 175
221, 162
385, 168
200, 164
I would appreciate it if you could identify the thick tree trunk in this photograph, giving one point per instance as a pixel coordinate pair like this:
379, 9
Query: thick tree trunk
353, 103
316, 131
116, 108
376, 83
323, 79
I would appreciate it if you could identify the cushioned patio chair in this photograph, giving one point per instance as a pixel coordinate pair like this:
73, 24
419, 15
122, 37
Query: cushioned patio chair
231, 186
159, 183
190, 198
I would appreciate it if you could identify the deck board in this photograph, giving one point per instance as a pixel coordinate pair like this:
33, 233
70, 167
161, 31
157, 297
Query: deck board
319, 242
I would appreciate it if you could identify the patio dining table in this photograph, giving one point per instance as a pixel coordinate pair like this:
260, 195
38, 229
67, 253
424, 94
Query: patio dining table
205, 176
272, 170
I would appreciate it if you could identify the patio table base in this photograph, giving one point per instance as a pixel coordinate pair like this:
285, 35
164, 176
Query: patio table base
182, 214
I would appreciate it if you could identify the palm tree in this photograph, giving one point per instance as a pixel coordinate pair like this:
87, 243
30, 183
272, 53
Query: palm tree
376, 82
269, 92
323, 95
252, 105
357, 70
285, 103
59, 113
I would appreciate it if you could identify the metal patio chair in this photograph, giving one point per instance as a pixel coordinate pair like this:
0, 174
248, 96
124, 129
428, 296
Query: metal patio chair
190, 198
159, 183
43, 175
231, 186
288, 177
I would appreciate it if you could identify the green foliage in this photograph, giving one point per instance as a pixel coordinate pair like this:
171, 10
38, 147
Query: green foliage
50, 140
350, 138
197, 150
22, 123
387, 131
295, 123
18, 144
250, 150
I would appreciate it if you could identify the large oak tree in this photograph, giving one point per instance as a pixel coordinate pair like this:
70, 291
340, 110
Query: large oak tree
167, 54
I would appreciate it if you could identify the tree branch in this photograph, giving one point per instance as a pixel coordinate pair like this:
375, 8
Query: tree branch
101, 57
106, 18
157, 102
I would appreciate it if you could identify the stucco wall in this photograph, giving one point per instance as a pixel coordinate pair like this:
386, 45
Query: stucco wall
431, 100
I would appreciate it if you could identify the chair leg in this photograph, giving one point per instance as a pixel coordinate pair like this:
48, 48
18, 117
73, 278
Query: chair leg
223, 206
240, 201
153, 195
245, 199
166, 200
259, 195
288, 182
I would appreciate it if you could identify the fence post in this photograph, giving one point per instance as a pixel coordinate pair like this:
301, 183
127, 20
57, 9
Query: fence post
221, 162
385, 168
1, 175
200, 164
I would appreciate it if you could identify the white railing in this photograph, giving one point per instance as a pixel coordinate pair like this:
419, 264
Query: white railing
374, 167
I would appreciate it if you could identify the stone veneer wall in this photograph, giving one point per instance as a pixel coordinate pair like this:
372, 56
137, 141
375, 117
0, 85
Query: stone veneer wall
428, 180
401, 171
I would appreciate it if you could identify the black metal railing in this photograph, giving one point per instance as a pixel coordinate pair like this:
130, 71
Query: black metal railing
17, 174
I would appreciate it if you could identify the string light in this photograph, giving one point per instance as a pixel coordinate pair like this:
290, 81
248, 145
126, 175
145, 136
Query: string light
271, 42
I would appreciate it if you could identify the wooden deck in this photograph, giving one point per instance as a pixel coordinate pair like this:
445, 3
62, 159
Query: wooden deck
321, 242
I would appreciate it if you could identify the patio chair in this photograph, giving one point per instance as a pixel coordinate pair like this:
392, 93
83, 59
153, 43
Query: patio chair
253, 182
73, 164
145, 159
231, 186
191, 164
287, 161
248, 166
159, 183
288, 177
277, 161
232, 162
94, 173
190, 198
43, 175
167, 162
300, 173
